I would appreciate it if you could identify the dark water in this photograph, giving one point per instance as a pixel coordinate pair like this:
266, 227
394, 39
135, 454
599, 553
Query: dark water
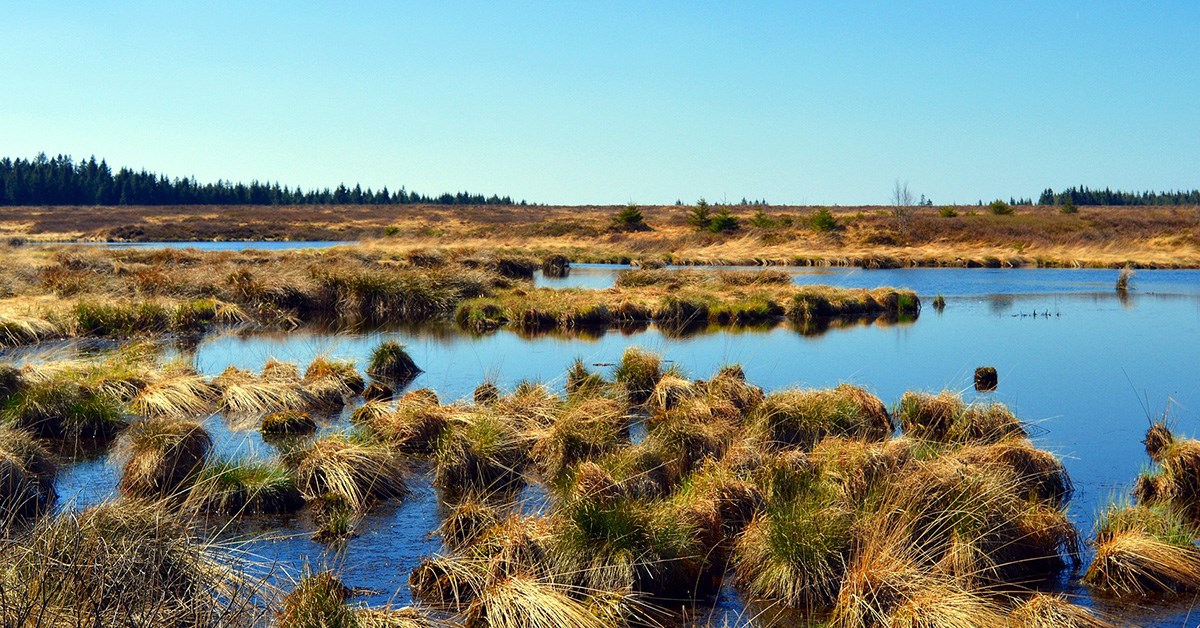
1088, 372
204, 245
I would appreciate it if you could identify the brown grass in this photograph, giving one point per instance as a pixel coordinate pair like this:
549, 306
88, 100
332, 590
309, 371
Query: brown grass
1108, 236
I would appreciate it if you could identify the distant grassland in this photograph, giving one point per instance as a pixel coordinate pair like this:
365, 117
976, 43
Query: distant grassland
863, 236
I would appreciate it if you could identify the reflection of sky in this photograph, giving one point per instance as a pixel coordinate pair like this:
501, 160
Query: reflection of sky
933, 281
1088, 376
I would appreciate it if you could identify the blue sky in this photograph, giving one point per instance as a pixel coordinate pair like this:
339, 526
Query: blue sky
611, 102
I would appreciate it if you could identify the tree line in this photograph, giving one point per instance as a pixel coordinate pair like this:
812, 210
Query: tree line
61, 181
1085, 196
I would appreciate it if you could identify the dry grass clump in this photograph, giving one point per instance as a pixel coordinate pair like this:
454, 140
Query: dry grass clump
18, 330
416, 424
177, 392
63, 408
348, 468
160, 455
485, 394
123, 561
856, 467
672, 388
583, 383
586, 429
243, 393
27, 473
378, 391
329, 382
692, 433
638, 371
318, 600
288, 422
244, 486
1176, 481
467, 521
1143, 551
627, 545
973, 523
945, 418
1042, 610
556, 265
390, 362
519, 601
795, 552
801, 418
481, 452
1039, 473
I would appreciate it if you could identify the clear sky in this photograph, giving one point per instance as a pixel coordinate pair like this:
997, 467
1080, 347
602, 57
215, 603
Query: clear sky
611, 102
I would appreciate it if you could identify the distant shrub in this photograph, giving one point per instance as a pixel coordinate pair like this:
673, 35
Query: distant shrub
1068, 207
700, 216
948, 212
822, 220
723, 222
630, 219
761, 220
391, 231
786, 221
1000, 208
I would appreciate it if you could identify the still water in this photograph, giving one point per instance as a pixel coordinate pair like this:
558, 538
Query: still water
1087, 370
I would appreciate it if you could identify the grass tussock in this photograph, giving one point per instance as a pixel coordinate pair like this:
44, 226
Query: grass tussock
62, 408
801, 418
390, 362
27, 472
160, 455
482, 452
1143, 551
330, 382
945, 418
586, 430
277, 389
1042, 610
244, 487
638, 372
121, 560
349, 469
416, 424
1176, 479
288, 423
319, 599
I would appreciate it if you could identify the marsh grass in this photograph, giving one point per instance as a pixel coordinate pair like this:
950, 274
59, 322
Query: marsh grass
945, 418
287, 423
638, 371
27, 473
63, 409
1143, 551
348, 467
127, 559
482, 452
243, 486
390, 362
801, 418
247, 395
1043, 610
159, 455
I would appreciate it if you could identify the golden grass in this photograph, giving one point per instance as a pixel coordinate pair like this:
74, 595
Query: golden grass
349, 468
159, 456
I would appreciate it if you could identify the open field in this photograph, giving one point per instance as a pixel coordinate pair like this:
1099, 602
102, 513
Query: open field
864, 236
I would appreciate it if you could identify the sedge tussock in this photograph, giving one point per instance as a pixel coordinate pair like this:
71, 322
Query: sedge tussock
350, 468
243, 486
123, 559
160, 455
27, 473
1143, 551
1042, 610
521, 602
801, 418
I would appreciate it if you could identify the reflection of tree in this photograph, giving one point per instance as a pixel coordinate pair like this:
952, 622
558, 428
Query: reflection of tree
1125, 298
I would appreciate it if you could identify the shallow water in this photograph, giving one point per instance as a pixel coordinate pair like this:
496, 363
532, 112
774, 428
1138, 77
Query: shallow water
1088, 371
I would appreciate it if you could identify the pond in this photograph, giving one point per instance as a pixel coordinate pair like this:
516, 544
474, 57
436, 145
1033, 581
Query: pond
1087, 369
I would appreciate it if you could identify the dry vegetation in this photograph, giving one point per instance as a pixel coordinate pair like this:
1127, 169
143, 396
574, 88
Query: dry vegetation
866, 236
820, 506
65, 292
